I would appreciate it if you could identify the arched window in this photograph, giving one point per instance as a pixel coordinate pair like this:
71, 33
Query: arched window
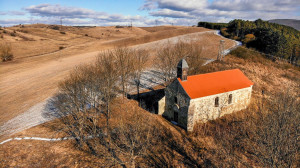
230, 99
217, 102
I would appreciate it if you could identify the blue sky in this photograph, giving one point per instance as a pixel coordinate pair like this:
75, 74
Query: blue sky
143, 12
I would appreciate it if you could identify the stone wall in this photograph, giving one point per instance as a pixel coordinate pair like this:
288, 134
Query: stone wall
191, 111
161, 106
172, 91
203, 109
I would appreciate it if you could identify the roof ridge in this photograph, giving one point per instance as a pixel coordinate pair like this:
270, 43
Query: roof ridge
214, 72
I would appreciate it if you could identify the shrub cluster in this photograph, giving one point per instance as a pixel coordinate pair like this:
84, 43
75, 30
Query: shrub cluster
5, 52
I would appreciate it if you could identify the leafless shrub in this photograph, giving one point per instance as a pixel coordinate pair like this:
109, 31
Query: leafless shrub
54, 27
133, 138
5, 52
276, 131
13, 34
266, 134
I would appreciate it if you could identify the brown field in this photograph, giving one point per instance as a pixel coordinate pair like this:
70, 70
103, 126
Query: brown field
39, 62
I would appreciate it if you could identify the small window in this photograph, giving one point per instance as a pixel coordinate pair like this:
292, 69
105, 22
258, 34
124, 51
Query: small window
175, 100
230, 99
184, 75
217, 102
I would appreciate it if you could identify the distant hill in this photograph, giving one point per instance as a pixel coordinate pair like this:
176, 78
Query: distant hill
288, 22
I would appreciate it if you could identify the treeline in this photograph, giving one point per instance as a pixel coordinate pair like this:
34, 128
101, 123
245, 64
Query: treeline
270, 38
210, 25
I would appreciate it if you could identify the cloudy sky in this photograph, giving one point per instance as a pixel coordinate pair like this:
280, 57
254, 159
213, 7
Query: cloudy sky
143, 12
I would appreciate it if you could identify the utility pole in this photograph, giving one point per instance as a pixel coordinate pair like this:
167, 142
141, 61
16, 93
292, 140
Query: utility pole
61, 23
221, 53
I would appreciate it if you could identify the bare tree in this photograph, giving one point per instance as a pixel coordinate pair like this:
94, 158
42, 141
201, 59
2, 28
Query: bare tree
194, 57
108, 72
124, 58
140, 60
169, 56
78, 105
166, 61
85, 98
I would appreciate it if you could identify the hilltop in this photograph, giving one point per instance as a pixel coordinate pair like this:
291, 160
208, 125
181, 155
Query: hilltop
288, 22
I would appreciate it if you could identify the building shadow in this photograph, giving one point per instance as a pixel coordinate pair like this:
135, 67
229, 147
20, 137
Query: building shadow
148, 100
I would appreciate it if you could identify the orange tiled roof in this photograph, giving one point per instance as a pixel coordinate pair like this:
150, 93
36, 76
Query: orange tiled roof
214, 83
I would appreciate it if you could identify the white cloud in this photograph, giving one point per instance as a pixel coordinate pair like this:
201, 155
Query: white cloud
12, 13
178, 5
256, 5
223, 10
51, 14
47, 10
171, 13
178, 12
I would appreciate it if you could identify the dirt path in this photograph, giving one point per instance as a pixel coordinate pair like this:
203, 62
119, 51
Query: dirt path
27, 87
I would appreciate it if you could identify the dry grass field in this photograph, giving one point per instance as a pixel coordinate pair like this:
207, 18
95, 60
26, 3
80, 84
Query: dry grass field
187, 150
39, 62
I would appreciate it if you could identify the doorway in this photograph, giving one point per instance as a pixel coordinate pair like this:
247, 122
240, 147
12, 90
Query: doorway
176, 116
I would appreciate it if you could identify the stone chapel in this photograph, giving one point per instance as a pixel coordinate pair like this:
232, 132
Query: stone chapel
203, 97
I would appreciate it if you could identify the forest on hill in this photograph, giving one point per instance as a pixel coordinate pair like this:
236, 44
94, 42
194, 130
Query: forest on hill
270, 38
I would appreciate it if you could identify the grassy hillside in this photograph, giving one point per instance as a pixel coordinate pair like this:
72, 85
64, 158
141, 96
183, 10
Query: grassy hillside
256, 136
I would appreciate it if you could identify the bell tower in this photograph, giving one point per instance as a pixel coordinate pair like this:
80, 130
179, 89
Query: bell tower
182, 70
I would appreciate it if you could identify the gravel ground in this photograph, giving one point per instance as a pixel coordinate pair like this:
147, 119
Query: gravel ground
39, 113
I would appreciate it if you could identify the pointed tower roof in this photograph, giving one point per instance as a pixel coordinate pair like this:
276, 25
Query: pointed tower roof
182, 64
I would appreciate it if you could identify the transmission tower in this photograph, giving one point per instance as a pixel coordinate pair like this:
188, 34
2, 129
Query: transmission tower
221, 54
